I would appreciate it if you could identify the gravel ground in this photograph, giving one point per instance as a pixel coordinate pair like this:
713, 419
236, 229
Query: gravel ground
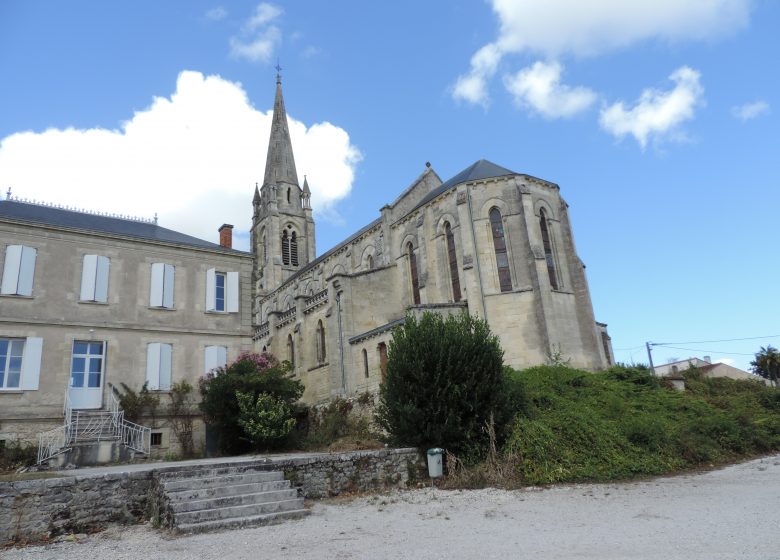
731, 513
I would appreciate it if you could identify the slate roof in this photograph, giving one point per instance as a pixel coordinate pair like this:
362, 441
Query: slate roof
47, 215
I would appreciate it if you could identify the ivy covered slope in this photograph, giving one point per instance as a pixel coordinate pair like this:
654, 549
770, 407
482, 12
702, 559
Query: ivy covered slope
624, 422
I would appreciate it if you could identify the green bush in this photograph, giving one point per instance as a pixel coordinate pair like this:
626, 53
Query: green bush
444, 382
251, 374
265, 419
16, 455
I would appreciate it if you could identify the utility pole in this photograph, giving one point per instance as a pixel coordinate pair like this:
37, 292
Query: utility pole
650, 356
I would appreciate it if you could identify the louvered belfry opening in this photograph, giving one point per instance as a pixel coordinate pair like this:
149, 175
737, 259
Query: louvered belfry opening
499, 244
285, 248
294, 249
453, 259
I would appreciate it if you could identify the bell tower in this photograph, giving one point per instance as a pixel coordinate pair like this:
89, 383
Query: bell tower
282, 223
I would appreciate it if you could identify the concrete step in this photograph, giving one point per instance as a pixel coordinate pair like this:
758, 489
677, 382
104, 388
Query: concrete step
236, 500
211, 471
250, 510
223, 491
227, 480
238, 522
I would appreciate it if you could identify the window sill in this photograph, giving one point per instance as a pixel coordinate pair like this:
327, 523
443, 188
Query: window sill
318, 366
214, 312
11, 391
90, 302
155, 308
17, 296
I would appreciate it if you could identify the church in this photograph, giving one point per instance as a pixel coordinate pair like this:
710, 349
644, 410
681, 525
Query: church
91, 302
489, 241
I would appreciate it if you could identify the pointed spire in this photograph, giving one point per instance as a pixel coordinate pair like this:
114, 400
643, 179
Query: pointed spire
280, 163
306, 190
256, 198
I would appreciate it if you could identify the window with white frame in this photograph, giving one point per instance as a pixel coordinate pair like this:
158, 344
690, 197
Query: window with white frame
20, 363
94, 278
221, 291
214, 357
18, 270
86, 367
161, 291
158, 366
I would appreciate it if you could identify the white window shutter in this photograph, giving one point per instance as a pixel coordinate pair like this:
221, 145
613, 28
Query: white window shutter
31, 364
232, 292
209, 358
168, 283
26, 271
156, 288
166, 354
101, 279
88, 271
221, 356
153, 366
13, 259
211, 289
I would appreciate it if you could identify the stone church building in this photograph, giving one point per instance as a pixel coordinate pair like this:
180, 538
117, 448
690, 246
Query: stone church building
488, 241
89, 302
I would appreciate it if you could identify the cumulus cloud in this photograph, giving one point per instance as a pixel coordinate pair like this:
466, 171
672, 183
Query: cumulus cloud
657, 114
539, 87
193, 158
216, 14
750, 111
258, 39
585, 28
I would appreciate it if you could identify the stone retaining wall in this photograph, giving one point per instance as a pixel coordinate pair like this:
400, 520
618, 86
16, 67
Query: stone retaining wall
32, 510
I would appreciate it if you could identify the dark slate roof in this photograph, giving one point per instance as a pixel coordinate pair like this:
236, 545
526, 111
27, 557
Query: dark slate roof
47, 215
483, 169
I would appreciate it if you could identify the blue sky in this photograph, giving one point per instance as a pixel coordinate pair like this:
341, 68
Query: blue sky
657, 119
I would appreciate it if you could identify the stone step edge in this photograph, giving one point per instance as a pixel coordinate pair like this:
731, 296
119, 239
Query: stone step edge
209, 502
182, 495
234, 512
236, 522
213, 481
260, 464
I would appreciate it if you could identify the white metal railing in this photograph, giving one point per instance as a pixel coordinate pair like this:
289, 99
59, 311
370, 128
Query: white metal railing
136, 437
53, 442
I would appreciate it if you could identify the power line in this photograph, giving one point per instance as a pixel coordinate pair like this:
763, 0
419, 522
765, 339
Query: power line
627, 349
710, 351
709, 341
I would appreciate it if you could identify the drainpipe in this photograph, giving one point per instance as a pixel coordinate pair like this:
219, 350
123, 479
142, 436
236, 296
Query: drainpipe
476, 254
341, 345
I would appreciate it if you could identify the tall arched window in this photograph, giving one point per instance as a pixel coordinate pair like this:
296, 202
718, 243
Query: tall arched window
288, 195
365, 363
548, 252
413, 274
294, 249
499, 244
291, 350
320, 342
370, 262
285, 248
453, 259
382, 349
265, 249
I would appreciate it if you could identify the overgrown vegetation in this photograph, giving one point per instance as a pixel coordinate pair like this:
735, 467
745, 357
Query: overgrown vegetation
15, 455
444, 382
625, 422
181, 416
767, 364
342, 425
138, 404
251, 375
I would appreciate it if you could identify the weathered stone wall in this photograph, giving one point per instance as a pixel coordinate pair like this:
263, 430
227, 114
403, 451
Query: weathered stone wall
34, 509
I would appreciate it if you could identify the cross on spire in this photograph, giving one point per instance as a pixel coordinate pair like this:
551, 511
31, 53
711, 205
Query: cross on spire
278, 72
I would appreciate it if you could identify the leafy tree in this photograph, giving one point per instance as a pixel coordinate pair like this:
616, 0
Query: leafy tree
444, 383
251, 374
767, 364
267, 420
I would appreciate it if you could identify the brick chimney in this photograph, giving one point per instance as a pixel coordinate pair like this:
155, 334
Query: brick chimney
226, 236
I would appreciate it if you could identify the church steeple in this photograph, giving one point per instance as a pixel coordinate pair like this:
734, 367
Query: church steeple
280, 163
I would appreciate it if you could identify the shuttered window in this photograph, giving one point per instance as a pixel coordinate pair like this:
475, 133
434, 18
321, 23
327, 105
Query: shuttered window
285, 248
214, 357
548, 249
221, 291
294, 249
158, 366
453, 260
20, 363
413, 274
94, 278
18, 270
499, 245
162, 282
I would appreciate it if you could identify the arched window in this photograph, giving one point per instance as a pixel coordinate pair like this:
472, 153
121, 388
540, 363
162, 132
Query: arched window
413, 274
285, 248
365, 363
320, 342
499, 244
288, 195
453, 259
294, 249
370, 262
265, 249
548, 253
291, 350
382, 349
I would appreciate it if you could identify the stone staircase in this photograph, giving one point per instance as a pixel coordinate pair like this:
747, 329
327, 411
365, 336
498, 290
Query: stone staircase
210, 498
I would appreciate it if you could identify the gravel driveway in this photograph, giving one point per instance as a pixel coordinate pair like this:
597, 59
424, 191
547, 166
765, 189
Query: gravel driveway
731, 513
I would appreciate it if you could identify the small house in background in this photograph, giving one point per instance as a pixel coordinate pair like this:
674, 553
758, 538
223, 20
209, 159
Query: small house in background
707, 368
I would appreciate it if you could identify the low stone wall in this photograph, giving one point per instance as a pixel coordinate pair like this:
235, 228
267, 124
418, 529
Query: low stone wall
32, 510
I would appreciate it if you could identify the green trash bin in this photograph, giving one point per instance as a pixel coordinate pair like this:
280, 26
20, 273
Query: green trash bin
435, 469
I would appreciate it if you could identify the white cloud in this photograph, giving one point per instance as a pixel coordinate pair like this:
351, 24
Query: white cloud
585, 28
750, 111
258, 39
193, 158
656, 114
216, 14
539, 87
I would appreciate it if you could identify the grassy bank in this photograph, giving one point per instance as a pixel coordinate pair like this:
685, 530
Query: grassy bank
578, 426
